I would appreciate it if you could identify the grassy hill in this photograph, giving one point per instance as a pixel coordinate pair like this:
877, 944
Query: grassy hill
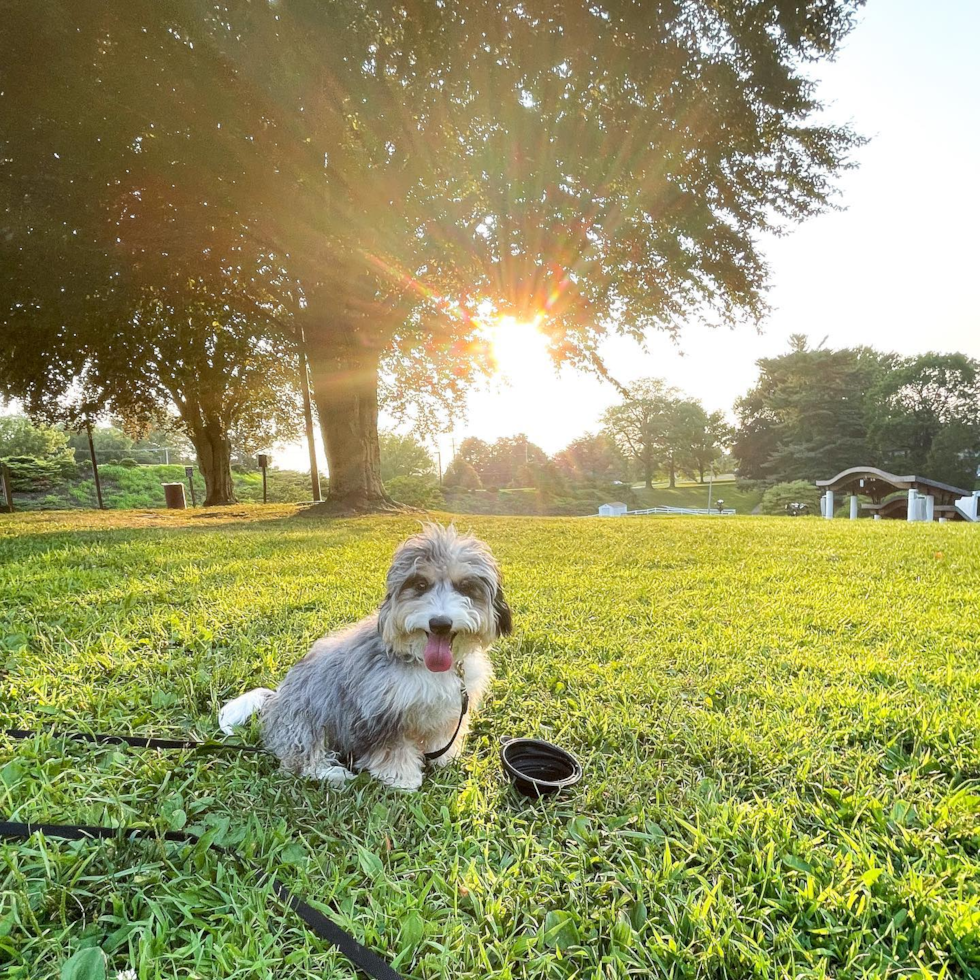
696, 495
142, 486
777, 719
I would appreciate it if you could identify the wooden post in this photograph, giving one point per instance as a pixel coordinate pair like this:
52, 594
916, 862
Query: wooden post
304, 384
189, 473
95, 465
264, 464
8, 488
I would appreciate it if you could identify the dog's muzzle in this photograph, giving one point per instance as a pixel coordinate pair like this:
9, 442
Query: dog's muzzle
438, 653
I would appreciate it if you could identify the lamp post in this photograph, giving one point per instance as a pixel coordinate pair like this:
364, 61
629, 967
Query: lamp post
95, 465
263, 465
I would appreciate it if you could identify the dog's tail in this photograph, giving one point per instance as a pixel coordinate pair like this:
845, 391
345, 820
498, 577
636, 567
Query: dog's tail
240, 709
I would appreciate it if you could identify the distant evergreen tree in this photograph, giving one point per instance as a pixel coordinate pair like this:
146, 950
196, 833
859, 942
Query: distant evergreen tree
806, 417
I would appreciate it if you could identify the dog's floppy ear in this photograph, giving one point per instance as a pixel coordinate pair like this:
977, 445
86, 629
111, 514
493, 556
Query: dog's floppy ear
502, 616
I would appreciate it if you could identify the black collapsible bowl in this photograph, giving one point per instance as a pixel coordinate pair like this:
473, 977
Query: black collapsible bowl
537, 767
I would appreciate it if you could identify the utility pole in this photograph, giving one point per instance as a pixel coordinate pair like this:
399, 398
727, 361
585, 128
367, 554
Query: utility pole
304, 383
95, 464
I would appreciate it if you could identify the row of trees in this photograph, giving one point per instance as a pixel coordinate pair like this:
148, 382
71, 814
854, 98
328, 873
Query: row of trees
815, 411
193, 197
654, 430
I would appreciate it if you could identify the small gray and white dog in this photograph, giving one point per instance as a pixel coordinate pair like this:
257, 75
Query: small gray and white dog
382, 693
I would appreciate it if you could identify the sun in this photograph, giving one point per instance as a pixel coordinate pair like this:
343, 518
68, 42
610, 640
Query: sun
519, 348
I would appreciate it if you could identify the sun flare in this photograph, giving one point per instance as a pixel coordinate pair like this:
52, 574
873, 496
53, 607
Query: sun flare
519, 348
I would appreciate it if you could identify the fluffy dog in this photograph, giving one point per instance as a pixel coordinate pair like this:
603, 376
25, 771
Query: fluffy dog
380, 694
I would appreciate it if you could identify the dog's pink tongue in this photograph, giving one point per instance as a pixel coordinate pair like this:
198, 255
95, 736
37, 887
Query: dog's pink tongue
438, 653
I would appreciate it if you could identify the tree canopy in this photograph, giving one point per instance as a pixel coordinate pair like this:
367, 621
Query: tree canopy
806, 415
404, 455
814, 412
924, 417
594, 457
19, 436
596, 168
659, 429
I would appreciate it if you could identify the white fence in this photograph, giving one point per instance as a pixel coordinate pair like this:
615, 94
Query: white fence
704, 511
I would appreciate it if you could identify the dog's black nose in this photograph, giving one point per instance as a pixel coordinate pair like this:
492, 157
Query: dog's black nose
440, 625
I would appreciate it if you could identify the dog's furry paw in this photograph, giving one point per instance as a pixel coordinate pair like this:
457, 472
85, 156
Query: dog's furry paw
408, 782
240, 709
335, 776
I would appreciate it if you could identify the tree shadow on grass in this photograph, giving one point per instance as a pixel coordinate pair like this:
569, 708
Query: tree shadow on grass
326, 531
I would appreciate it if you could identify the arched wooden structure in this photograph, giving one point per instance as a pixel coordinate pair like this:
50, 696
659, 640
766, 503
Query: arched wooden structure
923, 499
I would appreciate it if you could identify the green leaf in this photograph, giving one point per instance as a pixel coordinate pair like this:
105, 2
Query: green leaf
797, 864
581, 829
412, 931
86, 964
11, 773
560, 930
622, 931
370, 863
638, 915
872, 875
903, 814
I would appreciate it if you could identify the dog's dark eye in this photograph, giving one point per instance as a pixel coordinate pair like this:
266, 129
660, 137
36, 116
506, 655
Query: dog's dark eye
420, 585
469, 587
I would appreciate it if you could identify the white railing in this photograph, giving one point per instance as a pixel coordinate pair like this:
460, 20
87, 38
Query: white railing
969, 507
709, 511
701, 511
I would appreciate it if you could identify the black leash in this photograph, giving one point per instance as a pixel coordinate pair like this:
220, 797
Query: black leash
350, 763
137, 741
463, 708
142, 742
316, 921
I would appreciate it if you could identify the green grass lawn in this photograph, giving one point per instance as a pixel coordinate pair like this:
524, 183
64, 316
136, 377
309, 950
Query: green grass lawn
778, 721
696, 495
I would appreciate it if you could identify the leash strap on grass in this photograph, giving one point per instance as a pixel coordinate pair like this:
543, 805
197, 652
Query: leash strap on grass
316, 921
136, 741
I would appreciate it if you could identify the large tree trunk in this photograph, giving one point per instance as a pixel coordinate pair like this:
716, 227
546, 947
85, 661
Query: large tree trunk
214, 458
673, 475
346, 395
